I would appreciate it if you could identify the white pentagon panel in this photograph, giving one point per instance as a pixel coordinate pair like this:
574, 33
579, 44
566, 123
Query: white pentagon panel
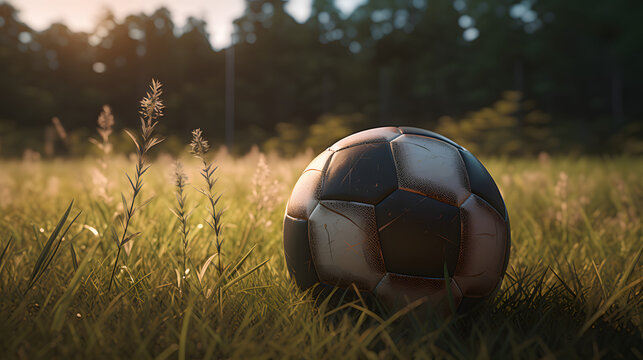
305, 194
482, 248
319, 162
381, 134
432, 168
344, 244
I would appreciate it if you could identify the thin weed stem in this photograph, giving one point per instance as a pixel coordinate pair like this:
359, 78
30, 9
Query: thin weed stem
200, 148
105, 129
151, 110
180, 210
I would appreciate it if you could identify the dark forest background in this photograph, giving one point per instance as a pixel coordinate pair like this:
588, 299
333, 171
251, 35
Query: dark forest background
500, 76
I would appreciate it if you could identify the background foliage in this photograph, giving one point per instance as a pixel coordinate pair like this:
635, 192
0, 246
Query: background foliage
535, 75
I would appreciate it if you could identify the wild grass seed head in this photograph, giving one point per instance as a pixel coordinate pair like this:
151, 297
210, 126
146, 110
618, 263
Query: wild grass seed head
99, 176
151, 106
105, 129
199, 146
264, 192
180, 177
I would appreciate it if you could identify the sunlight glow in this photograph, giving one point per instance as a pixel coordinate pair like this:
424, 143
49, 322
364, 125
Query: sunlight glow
471, 34
82, 15
99, 67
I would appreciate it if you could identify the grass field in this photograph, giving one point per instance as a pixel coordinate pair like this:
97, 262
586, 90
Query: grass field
574, 287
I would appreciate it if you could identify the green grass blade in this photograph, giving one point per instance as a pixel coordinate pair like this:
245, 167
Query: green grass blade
61, 306
629, 269
74, 259
36, 236
201, 272
241, 261
44, 254
184, 331
167, 352
4, 252
244, 275
55, 250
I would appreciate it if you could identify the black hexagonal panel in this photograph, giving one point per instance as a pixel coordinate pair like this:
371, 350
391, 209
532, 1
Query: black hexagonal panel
297, 251
363, 173
482, 183
418, 234
418, 131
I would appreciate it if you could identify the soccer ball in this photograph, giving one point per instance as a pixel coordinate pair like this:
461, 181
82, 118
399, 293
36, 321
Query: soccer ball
402, 213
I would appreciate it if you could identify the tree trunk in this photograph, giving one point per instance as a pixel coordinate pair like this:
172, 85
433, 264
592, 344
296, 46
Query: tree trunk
617, 96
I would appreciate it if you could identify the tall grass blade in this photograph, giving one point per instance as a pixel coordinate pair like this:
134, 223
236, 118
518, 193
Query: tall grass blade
629, 269
36, 236
55, 250
201, 272
184, 331
61, 306
4, 252
245, 274
74, 259
167, 352
47, 254
242, 261
45, 251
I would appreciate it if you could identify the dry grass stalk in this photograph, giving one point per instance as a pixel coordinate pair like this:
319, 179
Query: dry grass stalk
180, 210
200, 148
264, 193
60, 130
30, 156
105, 129
151, 109
50, 139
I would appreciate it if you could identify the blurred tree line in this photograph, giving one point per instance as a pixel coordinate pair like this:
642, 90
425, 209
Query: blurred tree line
499, 76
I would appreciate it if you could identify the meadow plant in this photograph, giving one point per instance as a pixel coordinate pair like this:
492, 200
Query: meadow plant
105, 129
200, 148
263, 195
151, 109
48, 144
60, 130
180, 210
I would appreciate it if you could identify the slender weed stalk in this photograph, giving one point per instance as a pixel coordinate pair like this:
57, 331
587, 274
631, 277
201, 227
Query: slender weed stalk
151, 109
60, 130
180, 210
263, 194
49, 145
263, 198
200, 148
105, 129
228, 275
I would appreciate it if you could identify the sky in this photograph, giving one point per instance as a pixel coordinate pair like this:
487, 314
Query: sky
81, 15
